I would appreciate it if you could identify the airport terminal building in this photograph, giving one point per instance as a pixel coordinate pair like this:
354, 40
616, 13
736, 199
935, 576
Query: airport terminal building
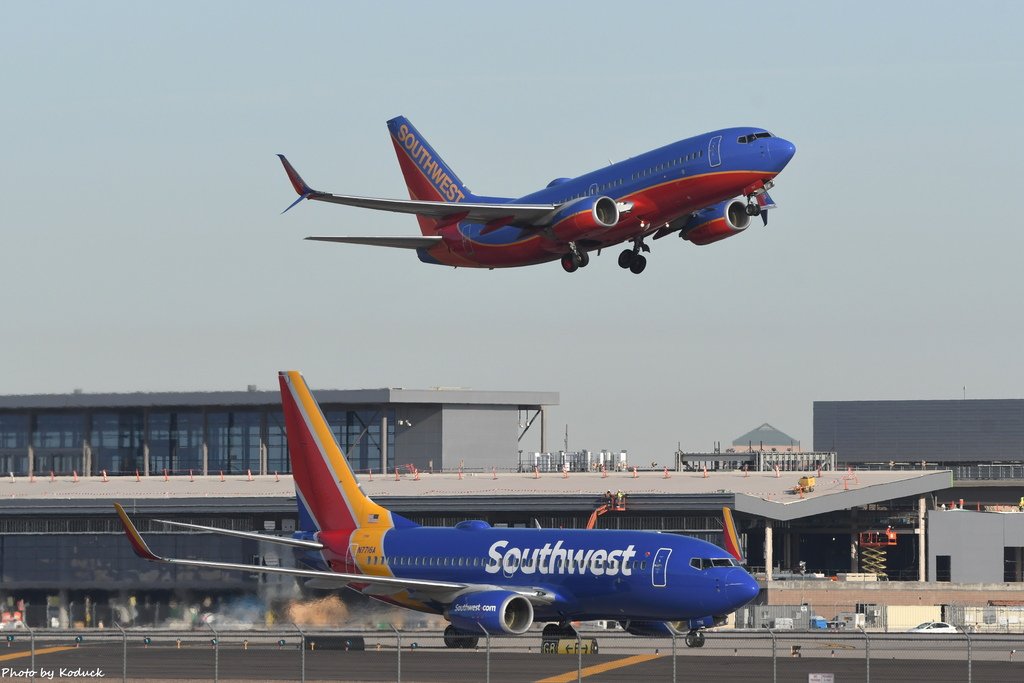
236, 432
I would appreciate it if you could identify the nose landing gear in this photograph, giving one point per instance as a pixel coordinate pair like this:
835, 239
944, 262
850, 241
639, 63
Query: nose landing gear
695, 638
576, 258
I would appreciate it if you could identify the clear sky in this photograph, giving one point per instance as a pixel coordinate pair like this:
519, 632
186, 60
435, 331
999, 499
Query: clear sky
143, 247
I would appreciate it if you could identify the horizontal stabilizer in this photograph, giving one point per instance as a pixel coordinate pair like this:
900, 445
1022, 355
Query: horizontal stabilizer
423, 242
280, 540
472, 211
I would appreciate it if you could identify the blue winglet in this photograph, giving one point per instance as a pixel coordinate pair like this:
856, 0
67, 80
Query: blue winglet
292, 205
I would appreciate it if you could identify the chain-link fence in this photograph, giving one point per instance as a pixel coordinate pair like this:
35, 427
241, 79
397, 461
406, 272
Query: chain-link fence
299, 654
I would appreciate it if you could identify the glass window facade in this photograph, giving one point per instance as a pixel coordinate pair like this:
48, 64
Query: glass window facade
58, 430
175, 442
13, 443
277, 444
116, 442
13, 430
233, 441
358, 434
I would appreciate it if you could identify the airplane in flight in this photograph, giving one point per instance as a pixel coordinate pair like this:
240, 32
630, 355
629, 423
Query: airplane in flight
478, 577
705, 188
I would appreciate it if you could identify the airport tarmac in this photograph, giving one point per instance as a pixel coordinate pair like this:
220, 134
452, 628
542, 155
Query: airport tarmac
727, 659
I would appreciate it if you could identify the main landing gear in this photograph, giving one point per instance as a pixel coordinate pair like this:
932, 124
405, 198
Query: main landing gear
633, 259
454, 638
576, 258
695, 638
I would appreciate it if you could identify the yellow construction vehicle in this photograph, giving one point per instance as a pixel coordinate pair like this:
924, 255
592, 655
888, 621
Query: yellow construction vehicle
805, 485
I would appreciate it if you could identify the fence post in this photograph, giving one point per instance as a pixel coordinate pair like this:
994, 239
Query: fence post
579, 658
32, 644
867, 656
302, 649
216, 653
775, 673
488, 636
124, 653
673, 656
970, 673
399, 648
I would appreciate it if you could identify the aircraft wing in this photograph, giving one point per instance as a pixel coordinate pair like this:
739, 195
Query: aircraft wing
478, 212
141, 548
423, 242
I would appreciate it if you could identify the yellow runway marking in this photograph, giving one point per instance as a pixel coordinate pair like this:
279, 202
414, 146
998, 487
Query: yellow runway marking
40, 651
600, 668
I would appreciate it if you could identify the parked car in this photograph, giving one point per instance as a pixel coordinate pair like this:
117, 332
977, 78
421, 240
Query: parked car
934, 627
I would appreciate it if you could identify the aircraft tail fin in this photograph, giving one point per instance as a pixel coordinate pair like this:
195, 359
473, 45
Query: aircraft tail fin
427, 176
732, 539
326, 490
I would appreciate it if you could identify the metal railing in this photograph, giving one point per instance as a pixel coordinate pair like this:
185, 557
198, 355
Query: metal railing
295, 653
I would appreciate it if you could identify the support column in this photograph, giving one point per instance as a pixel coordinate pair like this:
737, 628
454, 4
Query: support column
384, 443
543, 431
768, 541
145, 442
922, 551
31, 460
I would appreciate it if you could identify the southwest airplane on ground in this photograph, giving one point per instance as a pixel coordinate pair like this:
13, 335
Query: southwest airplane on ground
706, 188
479, 577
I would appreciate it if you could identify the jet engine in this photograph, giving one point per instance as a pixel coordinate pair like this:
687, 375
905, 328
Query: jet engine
584, 216
717, 222
497, 611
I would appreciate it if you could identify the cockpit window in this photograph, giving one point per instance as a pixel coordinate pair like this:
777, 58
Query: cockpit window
744, 139
708, 563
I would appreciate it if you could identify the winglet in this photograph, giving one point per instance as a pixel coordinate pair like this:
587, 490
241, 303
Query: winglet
732, 541
301, 188
134, 537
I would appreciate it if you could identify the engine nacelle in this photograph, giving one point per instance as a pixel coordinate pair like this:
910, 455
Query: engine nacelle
717, 222
500, 612
661, 629
586, 215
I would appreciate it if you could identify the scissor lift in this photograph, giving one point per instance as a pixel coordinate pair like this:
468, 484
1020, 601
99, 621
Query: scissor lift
873, 548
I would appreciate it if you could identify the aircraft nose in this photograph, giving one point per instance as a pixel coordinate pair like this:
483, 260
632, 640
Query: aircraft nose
781, 151
740, 587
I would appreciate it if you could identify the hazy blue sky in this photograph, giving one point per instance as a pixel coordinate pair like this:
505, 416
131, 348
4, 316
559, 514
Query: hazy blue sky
143, 246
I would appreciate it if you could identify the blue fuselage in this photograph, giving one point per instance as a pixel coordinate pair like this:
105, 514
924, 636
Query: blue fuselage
618, 575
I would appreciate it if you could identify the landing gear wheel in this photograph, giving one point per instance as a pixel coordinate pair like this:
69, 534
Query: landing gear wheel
638, 264
583, 259
454, 638
569, 264
695, 639
753, 210
626, 258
